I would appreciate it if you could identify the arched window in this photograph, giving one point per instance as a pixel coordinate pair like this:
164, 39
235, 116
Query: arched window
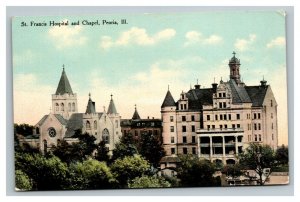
56, 107
88, 125
45, 146
95, 125
73, 107
69, 107
105, 136
62, 107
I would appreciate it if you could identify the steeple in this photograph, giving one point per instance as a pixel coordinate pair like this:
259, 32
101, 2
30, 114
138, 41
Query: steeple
63, 85
111, 107
90, 108
234, 65
135, 114
169, 100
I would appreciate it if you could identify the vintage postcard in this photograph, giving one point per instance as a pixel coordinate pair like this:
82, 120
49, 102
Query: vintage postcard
158, 100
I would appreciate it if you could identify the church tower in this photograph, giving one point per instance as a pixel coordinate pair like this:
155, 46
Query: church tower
64, 101
234, 65
116, 121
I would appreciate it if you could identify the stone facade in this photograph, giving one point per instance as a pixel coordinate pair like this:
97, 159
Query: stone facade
64, 120
217, 123
137, 126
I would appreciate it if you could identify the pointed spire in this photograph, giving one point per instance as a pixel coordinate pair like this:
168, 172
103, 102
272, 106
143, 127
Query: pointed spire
64, 84
90, 108
169, 100
111, 108
135, 114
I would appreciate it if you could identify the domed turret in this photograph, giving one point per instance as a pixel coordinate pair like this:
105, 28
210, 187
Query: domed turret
234, 65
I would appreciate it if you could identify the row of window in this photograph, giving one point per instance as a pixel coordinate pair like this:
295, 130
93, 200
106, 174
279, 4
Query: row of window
184, 150
61, 107
88, 124
184, 139
222, 105
193, 129
222, 95
183, 106
223, 126
137, 132
144, 124
183, 118
256, 115
222, 117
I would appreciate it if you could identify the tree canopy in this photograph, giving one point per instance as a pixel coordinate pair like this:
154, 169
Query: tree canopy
125, 147
258, 157
47, 173
148, 182
194, 172
91, 174
151, 148
78, 151
128, 168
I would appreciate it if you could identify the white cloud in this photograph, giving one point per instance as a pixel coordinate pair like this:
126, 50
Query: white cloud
137, 36
67, 36
26, 56
31, 99
194, 37
277, 42
245, 44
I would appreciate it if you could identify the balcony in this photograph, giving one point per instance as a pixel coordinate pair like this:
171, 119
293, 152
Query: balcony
219, 130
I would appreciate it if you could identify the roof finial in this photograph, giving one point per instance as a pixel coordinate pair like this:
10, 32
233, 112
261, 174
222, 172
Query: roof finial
135, 106
214, 79
197, 81
233, 53
168, 87
63, 67
89, 95
263, 77
111, 95
190, 86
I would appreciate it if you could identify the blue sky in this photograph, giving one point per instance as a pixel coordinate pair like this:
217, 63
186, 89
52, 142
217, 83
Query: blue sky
136, 62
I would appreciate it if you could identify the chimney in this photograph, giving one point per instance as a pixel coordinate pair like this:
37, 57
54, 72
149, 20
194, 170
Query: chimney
197, 86
214, 86
148, 117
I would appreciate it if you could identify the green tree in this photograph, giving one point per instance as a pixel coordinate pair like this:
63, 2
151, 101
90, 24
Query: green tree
233, 171
23, 182
125, 147
196, 173
91, 174
47, 173
23, 129
148, 182
128, 168
74, 152
258, 157
102, 152
282, 155
151, 148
